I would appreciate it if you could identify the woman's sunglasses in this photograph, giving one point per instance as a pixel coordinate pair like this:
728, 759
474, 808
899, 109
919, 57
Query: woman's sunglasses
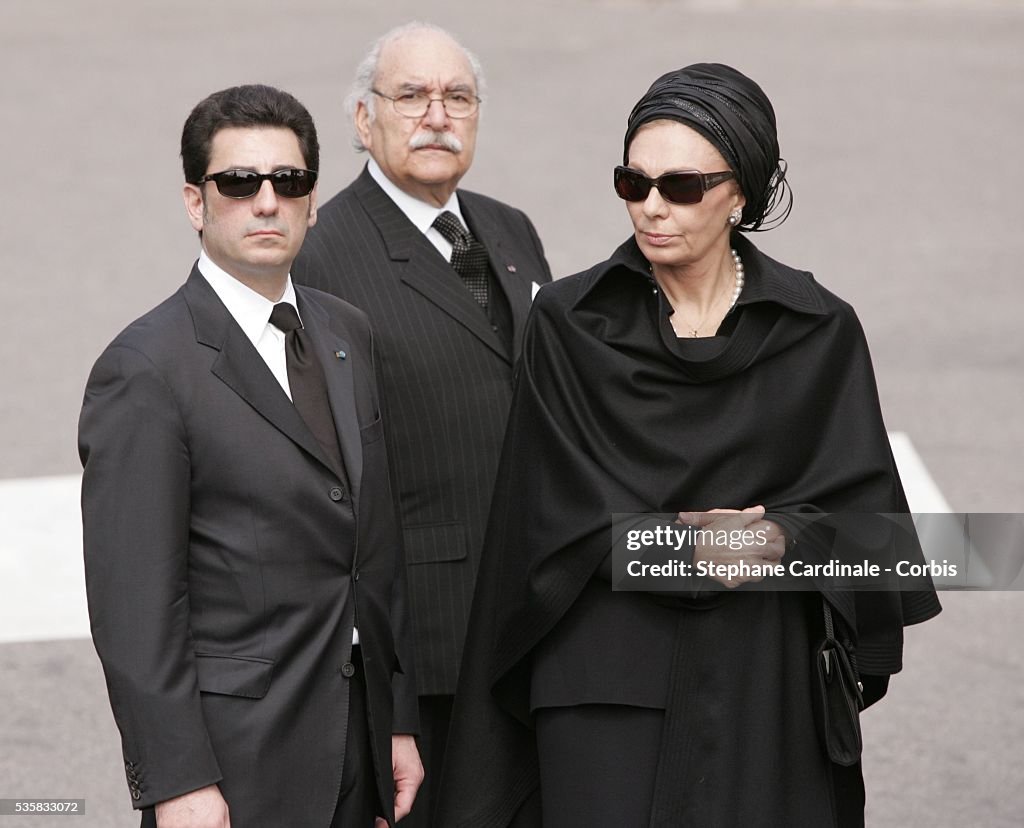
290, 183
684, 187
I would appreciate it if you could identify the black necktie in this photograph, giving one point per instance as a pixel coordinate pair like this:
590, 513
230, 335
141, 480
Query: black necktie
469, 257
306, 380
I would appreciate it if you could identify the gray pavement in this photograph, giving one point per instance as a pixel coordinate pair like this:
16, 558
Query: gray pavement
901, 123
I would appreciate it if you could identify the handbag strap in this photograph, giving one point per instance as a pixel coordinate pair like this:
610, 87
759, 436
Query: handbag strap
830, 636
829, 631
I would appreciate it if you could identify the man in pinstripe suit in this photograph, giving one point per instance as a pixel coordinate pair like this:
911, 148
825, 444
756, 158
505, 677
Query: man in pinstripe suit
446, 345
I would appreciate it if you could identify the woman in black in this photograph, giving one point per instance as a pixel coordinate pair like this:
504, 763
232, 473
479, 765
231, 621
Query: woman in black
687, 373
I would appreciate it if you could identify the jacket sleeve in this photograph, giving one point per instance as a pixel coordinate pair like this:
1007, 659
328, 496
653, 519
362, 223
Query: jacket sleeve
403, 684
538, 247
135, 514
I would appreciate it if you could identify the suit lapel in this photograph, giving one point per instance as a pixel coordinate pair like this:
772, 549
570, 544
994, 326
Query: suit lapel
503, 264
239, 366
421, 267
335, 355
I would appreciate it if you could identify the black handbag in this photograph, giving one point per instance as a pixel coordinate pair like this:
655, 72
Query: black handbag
838, 697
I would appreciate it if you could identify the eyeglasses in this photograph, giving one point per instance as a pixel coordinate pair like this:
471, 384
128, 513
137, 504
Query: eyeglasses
290, 182
685, 187
416, 104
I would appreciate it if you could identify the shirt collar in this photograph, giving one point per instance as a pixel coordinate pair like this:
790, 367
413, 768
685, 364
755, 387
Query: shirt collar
248, 308
767, 280
420, 213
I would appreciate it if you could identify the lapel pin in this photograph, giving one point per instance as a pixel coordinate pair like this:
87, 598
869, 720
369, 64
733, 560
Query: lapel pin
340, 354
511, 268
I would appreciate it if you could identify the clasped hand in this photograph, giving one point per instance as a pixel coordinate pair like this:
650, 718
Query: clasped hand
765, 541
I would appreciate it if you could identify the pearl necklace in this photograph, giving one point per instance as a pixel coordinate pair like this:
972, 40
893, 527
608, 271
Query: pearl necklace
737, 266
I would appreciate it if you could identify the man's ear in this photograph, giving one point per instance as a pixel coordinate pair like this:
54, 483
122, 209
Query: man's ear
193, 196
312, 207
362, 122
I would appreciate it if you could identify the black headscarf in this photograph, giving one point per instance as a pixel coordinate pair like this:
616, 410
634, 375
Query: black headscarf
734, 114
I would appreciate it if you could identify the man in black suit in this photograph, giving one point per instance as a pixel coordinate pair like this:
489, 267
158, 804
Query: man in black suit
244, 570
448, 309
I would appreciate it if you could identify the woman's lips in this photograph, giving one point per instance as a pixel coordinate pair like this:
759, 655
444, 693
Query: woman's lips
657, 239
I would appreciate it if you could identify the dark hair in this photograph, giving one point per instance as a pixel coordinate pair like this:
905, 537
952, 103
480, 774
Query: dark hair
253, 105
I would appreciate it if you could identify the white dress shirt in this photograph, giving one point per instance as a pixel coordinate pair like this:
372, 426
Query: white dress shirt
420, 213
252, 313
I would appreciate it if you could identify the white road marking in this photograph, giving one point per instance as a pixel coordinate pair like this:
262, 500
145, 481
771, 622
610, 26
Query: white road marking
42, 581
922, 492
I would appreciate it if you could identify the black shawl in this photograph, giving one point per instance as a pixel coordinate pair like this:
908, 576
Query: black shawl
611, 414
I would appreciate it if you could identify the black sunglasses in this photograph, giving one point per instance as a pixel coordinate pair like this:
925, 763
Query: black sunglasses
684, 187
290, 183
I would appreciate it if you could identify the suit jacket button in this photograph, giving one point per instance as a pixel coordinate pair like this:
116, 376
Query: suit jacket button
337, 493
348, 669
136, 794
355, 575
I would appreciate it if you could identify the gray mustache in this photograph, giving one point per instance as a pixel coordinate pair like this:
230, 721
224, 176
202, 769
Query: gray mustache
443, 139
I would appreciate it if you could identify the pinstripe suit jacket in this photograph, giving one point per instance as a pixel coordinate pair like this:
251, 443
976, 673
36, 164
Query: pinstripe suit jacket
446, 381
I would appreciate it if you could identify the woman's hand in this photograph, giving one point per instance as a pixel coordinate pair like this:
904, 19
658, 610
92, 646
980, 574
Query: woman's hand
750, 543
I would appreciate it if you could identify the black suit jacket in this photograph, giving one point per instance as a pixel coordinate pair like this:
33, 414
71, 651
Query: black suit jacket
226, 562
446, 383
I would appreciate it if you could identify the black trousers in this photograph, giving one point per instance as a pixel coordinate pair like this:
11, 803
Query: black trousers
358, 803
597, 764
435, 718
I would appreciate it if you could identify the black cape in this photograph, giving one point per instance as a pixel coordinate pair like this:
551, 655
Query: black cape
612, 414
